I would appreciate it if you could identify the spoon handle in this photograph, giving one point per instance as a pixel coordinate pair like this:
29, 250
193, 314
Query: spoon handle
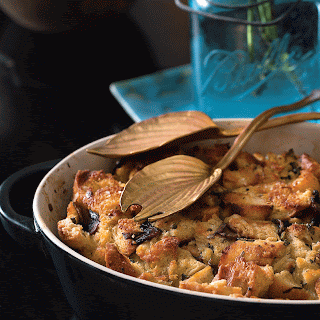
257, 122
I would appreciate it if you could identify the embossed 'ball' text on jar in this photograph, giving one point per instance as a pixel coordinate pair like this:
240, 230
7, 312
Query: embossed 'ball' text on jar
251, 55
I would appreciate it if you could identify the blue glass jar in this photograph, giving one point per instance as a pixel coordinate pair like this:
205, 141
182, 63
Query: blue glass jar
241, 69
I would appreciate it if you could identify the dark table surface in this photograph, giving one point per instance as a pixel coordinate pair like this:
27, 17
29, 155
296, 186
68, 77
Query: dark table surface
41, 122
29, 286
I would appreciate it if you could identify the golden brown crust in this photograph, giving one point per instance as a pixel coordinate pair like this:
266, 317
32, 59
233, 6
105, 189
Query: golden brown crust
248, 205
123, 234
285, 287
254, 234
118, 262
217, 287
261, 252
251, 228
87, 182
317, 287
294, 197
253, 279
310, 164
165, 249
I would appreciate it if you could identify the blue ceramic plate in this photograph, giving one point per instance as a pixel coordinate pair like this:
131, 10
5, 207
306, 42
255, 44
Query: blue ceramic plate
158, 93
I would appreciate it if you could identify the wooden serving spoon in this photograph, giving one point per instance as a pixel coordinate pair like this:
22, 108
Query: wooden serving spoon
172, 184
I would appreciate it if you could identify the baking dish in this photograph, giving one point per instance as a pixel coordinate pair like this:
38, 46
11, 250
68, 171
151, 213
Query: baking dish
95, 292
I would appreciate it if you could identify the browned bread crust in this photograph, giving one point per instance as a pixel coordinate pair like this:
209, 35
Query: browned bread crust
254, 234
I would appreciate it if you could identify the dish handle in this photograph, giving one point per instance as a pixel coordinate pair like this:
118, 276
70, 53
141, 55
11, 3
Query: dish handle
20, 227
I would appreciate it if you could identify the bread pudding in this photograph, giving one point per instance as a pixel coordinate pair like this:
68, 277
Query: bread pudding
253, 234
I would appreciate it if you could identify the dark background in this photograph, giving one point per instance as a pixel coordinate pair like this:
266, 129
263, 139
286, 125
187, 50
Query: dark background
55, 98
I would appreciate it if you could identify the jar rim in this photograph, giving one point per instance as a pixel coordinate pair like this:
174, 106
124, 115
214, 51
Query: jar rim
283, 16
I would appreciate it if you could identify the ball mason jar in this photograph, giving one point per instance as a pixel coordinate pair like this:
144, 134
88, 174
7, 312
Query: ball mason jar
241, 66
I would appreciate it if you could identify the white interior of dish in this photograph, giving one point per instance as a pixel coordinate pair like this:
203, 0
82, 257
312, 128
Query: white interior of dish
54, 192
